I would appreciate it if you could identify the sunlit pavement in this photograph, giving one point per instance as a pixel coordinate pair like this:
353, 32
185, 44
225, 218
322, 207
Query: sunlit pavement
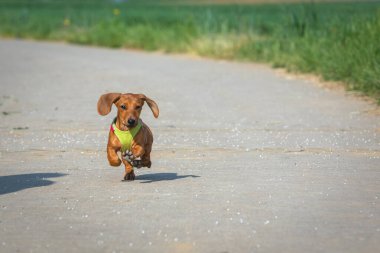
244, 159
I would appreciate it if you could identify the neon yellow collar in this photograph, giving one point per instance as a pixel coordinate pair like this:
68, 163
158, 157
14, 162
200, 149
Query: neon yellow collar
125, 137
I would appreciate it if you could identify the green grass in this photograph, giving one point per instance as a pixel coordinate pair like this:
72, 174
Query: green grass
339, 41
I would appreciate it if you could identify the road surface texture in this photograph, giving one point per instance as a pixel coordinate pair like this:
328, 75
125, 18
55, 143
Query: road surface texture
244, 159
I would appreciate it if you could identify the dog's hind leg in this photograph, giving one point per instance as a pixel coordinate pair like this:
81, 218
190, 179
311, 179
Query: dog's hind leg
145, 160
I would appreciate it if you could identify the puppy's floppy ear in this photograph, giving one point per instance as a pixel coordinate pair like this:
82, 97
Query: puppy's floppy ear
153, 106
105, 102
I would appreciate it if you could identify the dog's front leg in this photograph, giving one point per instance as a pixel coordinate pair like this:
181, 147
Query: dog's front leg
129, 174
138, 151
144, 155
112, 156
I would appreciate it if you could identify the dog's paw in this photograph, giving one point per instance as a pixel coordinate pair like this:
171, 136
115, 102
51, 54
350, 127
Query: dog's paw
137, 163
133, 160
129, 176
128, 156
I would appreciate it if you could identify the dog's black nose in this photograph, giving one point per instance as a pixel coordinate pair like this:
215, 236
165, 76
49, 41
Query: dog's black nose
131, 122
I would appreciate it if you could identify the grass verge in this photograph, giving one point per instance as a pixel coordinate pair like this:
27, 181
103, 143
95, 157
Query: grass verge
339, 41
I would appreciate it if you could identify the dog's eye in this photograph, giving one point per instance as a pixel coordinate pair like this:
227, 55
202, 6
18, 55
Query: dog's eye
137, 107
123, 107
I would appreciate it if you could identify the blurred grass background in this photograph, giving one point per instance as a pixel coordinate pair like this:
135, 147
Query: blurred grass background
339, 41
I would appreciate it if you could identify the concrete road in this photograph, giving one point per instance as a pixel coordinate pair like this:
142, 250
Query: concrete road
244, 159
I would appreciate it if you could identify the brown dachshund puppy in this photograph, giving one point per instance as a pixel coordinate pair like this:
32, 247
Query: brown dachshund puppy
128, 134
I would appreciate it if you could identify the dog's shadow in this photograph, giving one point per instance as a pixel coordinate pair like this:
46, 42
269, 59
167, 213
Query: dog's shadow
14, 183
155, 177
